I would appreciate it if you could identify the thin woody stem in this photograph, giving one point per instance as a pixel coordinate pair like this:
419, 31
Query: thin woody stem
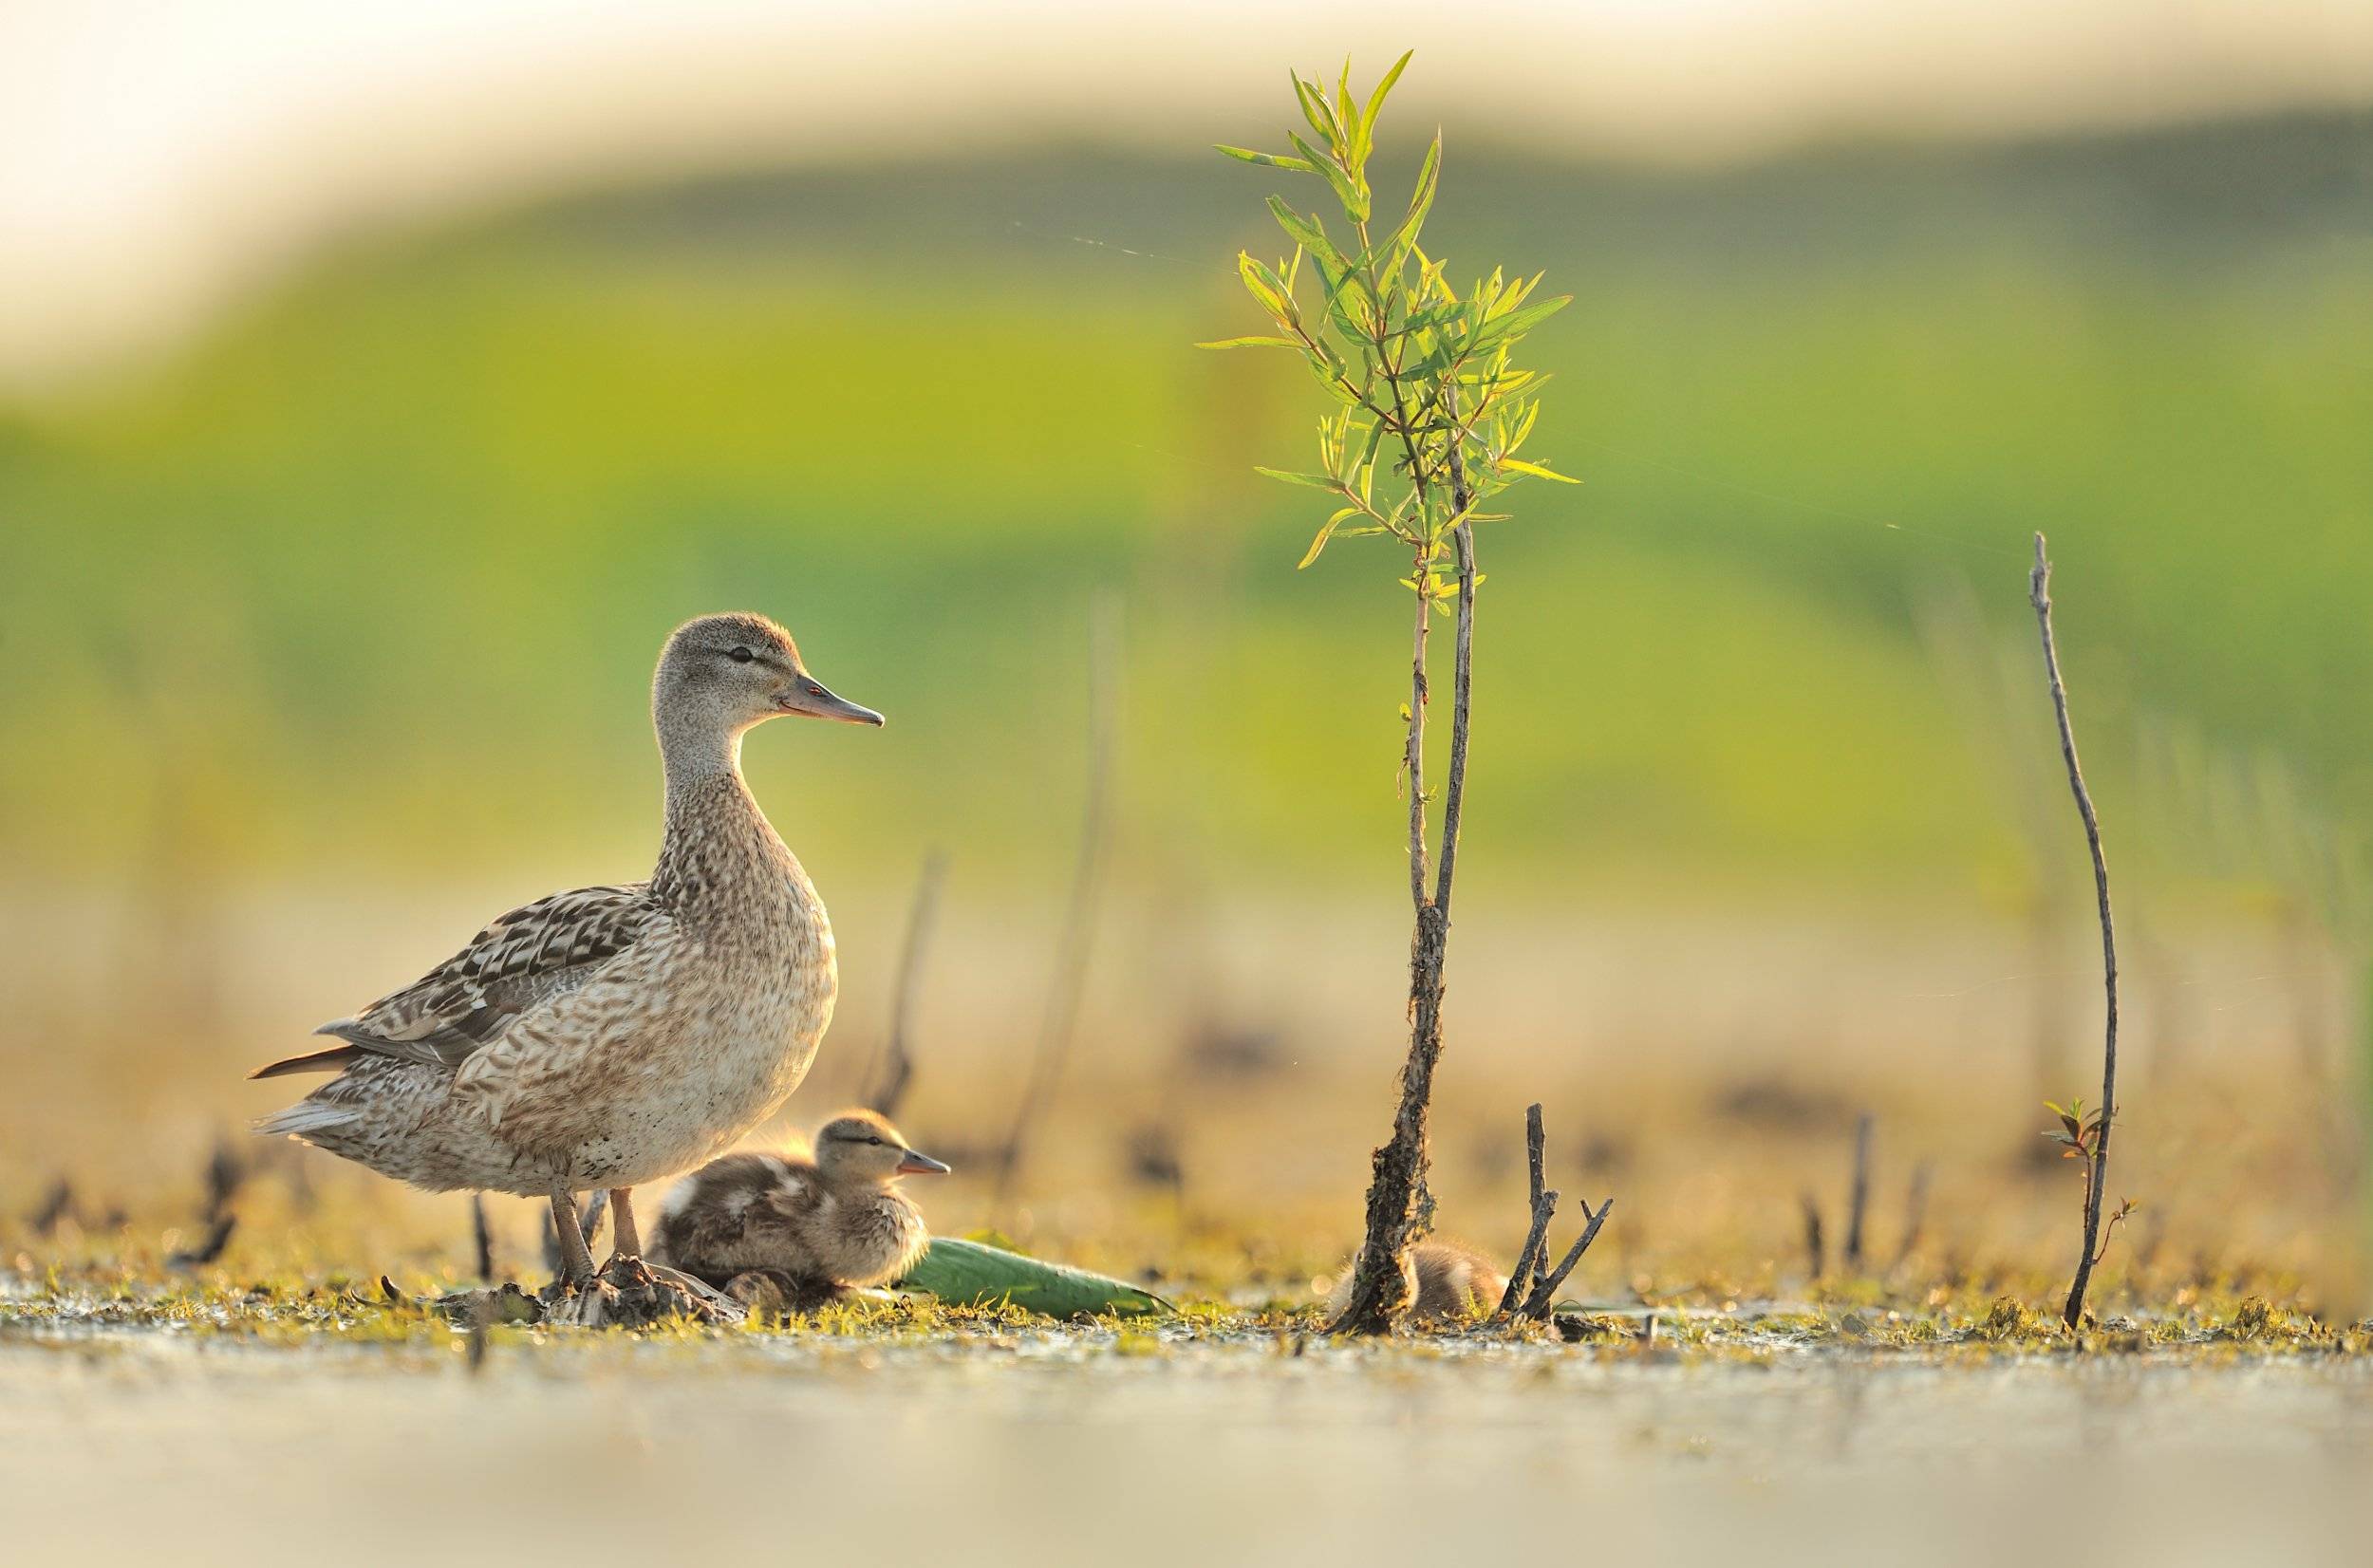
1462, 673
2096, 1172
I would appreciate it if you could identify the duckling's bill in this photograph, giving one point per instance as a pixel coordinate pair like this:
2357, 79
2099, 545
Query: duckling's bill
917, 1164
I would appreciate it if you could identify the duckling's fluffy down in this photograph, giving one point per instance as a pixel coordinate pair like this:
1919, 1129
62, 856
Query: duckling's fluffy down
1448, 1281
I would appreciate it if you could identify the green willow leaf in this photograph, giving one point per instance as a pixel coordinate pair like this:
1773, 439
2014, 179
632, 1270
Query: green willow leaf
1315, 481
1314, 109
974, 1274
1245, 154
1350, 193
1536, 470
1249, 343
1376, 100
1324, 534
1310, 235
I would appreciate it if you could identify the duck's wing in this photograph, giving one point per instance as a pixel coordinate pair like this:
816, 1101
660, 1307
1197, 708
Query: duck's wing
536, 952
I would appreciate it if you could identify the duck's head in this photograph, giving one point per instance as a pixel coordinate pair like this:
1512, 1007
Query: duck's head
728, 672
859, 1149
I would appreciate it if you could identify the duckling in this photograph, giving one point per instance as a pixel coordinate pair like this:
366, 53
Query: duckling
1449, 1283
816, 1221
613, 1034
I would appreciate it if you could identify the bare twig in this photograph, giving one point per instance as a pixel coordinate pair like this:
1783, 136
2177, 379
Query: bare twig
225, 1174
54, 1210
1060, 1018
1815, 1249
1545, 1290
1545, 1203
2039, 594
897, 1068
1858, 1197
1914, 1214
1536, 1152
1532, 1284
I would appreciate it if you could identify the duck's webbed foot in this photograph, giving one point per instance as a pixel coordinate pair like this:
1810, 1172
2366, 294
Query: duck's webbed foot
630, 1294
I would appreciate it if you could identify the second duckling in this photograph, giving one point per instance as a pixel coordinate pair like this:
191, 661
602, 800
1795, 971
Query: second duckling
1449, 1283
816, 1222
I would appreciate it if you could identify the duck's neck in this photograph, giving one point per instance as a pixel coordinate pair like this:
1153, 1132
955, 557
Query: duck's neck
697, 763
716, 834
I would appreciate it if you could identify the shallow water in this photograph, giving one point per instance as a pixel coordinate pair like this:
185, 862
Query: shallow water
1060, 1447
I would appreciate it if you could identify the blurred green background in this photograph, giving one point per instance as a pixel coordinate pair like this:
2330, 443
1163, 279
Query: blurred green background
370, 576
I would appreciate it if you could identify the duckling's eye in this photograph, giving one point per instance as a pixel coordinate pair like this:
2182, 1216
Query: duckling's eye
741, 656
875, 1142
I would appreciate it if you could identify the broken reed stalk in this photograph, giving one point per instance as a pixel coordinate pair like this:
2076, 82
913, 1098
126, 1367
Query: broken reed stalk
2096, 1172
1543, 1203
1816, 1247
1546, 1290
897, 1068
1062, 1016
1858, 1197
1532, 1284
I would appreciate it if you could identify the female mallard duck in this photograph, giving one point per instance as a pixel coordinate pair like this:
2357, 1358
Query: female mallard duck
819, 1222
618, 1035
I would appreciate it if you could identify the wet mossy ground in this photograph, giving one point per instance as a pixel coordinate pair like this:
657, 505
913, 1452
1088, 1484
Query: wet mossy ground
100, 1300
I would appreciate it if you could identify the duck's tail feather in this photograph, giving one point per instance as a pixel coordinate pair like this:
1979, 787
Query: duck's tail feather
336, 1059
304, 1119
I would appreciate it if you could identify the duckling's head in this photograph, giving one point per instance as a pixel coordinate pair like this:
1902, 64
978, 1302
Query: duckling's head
722, 674
860, 1149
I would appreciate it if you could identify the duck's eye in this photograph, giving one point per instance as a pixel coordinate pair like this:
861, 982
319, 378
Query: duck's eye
741, 656
875, 1142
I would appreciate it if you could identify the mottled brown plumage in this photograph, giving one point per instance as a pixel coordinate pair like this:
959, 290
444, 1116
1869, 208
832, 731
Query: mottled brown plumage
619, 1033
819, 1220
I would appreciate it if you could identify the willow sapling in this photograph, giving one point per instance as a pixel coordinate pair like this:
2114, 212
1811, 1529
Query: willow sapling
1429, 412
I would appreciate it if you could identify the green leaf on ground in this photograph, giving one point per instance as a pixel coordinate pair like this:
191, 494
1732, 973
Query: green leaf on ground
972, 1273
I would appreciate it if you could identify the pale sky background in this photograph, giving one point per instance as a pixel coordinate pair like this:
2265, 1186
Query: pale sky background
159, 156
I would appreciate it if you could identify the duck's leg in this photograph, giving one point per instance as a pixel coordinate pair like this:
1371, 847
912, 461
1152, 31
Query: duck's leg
624, 1239
576, 1259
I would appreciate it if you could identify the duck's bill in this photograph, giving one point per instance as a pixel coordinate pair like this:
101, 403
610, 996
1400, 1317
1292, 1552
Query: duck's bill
920, 1165
811, 700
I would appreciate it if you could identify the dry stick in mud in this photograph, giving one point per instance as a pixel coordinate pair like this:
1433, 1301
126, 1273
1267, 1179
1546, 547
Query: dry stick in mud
1815, 1249
2095, 1148
1545, 1290
897, 1068
1545, 1203
1532, 1283
1858, 1197
1061, 1018
1914, 1215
